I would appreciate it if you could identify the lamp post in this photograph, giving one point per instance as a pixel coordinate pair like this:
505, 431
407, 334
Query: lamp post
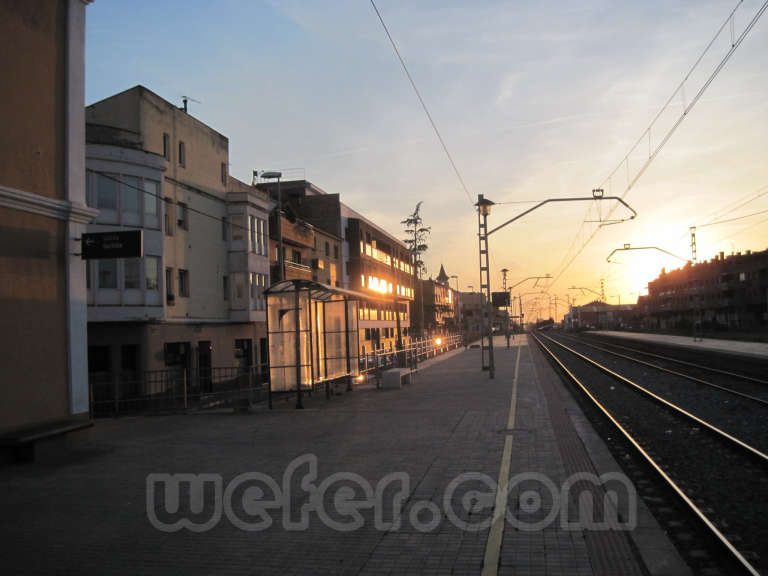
484, 209
274, 175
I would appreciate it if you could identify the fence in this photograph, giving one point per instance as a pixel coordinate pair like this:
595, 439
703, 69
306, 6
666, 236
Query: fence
410, 355
177, 389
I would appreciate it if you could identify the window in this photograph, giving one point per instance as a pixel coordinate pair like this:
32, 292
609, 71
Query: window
182, 221
224, 173
238, 284
224, 227
184, 283
262, 236
226, 287
327, 249
166, 146
168, 216
129, 195
296, 256
237, 228
336, 251
253, 232
169, 285
132, 274
106, 191
129, 355
258, 283
87, 275
88, 189
108, 273
151, 196
152, 272
182, 154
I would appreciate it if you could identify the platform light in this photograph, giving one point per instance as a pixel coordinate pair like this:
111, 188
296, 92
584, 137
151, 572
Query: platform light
438, 341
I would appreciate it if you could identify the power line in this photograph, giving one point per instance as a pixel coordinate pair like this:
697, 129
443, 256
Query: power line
733, 219
652, 155
743, 230
728, 208
423, 104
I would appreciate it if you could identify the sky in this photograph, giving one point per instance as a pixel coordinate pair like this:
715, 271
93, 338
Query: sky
534, 100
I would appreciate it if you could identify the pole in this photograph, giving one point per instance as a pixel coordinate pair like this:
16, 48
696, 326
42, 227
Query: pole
297, 325
480, 249
489, 304
280, 249
506, 305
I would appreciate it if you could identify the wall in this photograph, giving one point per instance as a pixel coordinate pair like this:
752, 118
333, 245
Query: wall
33, 319
33, 99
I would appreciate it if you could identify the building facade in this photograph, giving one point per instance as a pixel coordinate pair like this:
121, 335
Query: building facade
724, 293
195, 299
42, 214
440, 304
349, 251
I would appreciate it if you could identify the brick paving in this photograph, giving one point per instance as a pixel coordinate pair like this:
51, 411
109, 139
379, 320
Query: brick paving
87, 514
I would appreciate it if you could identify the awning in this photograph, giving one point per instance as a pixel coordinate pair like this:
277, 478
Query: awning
319, 291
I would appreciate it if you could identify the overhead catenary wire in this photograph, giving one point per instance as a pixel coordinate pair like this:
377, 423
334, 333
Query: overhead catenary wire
423, 104
733, 219
652, 155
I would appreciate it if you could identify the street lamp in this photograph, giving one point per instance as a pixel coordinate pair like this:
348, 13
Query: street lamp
484, 210
274, 175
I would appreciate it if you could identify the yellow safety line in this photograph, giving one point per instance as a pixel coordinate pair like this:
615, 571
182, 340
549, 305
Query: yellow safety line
493, 545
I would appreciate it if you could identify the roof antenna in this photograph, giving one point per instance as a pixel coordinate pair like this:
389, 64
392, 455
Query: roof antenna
184, 100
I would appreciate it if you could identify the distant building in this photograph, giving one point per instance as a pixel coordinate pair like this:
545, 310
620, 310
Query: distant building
472, 311
724, 293
441, 305
602, 315
44, 357
341, 247
195, 299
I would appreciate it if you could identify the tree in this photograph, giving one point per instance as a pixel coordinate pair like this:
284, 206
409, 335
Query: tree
417, 245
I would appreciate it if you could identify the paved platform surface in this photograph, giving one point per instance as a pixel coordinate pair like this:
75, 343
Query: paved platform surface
92, 512
753, 349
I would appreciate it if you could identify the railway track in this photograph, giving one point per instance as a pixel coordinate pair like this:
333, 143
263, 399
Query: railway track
718, 479
761, 386
703, 363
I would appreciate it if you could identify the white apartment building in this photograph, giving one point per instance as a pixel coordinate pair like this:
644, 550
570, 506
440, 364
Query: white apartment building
195, 300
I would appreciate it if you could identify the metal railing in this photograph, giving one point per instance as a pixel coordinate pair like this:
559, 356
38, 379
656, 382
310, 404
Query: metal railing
180, 389
373, 363
177, 389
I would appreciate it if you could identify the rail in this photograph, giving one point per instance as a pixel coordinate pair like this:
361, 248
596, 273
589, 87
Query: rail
689, 503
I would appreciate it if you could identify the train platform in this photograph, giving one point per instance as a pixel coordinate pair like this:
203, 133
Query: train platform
454, 473
735, 347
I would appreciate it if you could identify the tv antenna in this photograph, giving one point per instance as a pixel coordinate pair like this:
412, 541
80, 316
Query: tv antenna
184, 100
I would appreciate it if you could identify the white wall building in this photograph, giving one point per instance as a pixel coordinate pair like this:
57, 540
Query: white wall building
195, 299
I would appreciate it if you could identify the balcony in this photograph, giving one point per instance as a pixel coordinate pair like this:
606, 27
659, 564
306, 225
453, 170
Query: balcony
293, 271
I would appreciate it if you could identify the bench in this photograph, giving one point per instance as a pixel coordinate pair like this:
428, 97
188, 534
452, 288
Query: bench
396, 377
20, 444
